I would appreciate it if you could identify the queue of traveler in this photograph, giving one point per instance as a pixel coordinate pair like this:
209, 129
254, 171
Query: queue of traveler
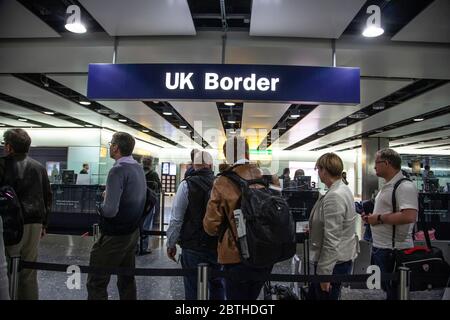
203, 205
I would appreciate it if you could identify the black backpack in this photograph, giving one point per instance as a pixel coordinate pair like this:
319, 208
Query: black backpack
270, 228
10, 206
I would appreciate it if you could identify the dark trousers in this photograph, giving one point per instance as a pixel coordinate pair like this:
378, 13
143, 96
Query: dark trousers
316, 292
190, 259
113, 251
384, 259
244, 289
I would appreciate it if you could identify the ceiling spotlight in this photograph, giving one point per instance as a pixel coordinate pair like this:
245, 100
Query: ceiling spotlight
2, 125
145, 130
73, 23
373, 25
378, 106
342, 123
85, 102
50, 113
294, 114
88, 125
229, 104
320, 133
419, 119
183, 126
231, 119
358, 115
23, 120
122, 120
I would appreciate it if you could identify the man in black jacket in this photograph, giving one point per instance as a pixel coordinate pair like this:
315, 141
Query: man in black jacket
186, 227
30, 182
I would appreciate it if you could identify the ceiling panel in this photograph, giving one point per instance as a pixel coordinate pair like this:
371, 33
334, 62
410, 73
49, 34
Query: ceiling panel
34, 115
204, 118
15, 123
419, 126
134, 110
142, 17
325, 115
16, 21
431, 25
426, 136
437, 142
429, 101
302, 18
260, 116
341, 146
25, 91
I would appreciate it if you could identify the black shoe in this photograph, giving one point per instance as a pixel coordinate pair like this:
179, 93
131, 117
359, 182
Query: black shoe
144, 252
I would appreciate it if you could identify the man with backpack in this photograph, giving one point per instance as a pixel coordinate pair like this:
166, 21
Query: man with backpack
392, 228
31, 186
256, 242
186, 227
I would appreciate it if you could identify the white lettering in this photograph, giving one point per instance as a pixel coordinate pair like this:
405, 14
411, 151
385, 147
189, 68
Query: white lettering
274, 82
374, 281
211, 82
168, 80
226, 83
249, 82
74, 280
237, 81
263, 84
186, 81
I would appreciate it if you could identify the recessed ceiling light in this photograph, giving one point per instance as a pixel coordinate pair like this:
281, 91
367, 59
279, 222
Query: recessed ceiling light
88, 125
23, 120
122, 120
2, 125
183, 127
230, 104
418, 119
50, 113
145, 130
372, 32
167, 113
85, 103
231, 121
320, 133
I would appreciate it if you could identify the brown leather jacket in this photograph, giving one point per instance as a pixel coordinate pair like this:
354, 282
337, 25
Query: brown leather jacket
225, 197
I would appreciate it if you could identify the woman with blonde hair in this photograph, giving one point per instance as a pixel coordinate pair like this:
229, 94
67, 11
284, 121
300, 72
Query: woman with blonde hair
332, 228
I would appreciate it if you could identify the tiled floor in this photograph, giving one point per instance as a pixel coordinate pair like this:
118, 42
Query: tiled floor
75, 250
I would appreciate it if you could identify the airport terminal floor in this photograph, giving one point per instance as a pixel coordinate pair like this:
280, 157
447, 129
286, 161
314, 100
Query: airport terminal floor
285, 150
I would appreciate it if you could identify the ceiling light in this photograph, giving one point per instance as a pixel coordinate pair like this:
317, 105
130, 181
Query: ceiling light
2, 125
418, 119
358, 115
85, 102
231, 119
122, 120
145, 130
373, 25
88, 125
183, 126
320, 133
342, 123
23, 120
73, 23
50, 113
378, 106
229, 104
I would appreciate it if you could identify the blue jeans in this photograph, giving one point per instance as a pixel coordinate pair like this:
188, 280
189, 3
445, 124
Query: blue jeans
244, 289
384, 259
190, 259
335, 291
148, 224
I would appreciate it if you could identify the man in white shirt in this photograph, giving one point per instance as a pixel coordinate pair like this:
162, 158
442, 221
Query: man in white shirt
385, 217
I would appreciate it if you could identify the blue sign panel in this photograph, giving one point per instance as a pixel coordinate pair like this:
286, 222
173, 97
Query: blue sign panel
220, 82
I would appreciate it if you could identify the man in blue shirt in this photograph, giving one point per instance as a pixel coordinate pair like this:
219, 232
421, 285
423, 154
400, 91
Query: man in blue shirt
186, 227
121, 213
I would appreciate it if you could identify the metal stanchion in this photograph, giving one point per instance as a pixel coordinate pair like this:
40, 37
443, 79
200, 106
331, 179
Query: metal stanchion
161, 215
202, 281
95, 231
14, 284
403, 290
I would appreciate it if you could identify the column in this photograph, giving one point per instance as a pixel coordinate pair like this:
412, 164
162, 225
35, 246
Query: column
369, 147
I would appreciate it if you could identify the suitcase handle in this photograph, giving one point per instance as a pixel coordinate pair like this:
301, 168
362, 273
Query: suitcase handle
418, 248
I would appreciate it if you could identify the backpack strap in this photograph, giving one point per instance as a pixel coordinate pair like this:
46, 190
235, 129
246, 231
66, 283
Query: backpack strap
394, 206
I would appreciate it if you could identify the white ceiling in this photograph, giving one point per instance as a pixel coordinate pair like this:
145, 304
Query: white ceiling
142, 17
34, 115
135, 110
16, 21
12, 122
430, 25
25, 91
427, 136
426, 102
325, 115
302, 18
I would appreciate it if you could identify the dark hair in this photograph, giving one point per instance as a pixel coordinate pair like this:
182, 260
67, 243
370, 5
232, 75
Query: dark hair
286, 170
19, 140
391, 157
193, 152
240, 149
147, 162
427, 167
85, 164
125, 142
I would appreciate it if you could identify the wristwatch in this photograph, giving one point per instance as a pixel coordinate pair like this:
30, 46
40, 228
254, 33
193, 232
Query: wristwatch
379, 219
